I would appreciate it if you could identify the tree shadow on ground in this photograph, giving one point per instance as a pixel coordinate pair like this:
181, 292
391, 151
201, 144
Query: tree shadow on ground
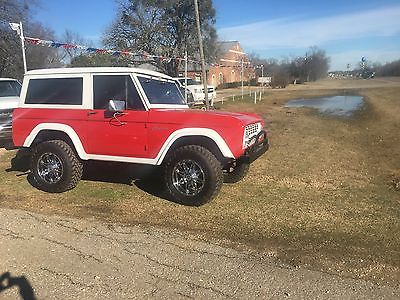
145, 177
25, 289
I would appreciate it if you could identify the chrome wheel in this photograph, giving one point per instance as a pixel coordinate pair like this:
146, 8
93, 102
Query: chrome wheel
50, 167
188, 177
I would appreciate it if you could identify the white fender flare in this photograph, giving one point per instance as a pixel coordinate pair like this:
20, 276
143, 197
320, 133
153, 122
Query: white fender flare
205, 132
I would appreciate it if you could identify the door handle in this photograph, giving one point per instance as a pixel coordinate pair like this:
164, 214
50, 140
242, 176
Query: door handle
115, 118
91, 112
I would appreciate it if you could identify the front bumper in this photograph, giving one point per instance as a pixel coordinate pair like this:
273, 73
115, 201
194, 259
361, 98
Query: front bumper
260, 146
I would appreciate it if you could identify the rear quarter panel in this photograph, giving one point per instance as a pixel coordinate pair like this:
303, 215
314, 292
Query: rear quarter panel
26, 119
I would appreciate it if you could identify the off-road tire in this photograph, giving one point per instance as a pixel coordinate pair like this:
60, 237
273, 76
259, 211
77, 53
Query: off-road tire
210, 166
237, 173
72, 167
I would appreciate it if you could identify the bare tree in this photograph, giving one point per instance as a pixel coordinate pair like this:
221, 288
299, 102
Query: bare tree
165, 28
316, 64
41, 57
312, 66
66, 55
10, 53
10, 46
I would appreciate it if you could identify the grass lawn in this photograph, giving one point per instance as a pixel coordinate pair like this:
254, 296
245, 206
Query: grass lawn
325, 196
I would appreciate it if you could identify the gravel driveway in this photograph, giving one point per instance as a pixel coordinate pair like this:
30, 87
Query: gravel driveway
57, 257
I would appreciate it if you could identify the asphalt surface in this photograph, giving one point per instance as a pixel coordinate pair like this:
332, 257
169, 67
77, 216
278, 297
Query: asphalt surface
51, 257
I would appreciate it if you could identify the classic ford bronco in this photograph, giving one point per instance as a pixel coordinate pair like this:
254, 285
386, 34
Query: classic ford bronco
72, 115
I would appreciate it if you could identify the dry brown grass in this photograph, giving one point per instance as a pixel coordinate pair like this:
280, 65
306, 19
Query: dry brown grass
322, 197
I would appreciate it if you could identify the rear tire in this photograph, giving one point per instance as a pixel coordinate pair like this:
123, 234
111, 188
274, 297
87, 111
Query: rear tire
55, 167
193, 175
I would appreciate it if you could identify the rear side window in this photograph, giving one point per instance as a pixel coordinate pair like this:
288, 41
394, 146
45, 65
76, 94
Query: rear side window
115, 87
67, 91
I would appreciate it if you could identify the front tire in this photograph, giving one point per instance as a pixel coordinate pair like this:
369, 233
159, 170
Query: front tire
55, 167
193, 175
236, 173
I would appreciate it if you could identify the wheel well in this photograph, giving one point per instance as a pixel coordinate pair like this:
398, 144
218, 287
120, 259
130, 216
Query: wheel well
47, 135
203, 141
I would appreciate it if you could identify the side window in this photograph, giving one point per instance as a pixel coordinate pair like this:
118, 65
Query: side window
66, 91
115, 87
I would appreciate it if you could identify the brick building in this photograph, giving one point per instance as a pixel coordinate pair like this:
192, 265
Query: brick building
227, 67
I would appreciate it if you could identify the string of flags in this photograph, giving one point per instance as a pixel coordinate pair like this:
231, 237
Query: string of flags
53, 44
142, 54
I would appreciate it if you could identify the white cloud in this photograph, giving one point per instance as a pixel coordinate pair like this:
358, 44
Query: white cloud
291, 33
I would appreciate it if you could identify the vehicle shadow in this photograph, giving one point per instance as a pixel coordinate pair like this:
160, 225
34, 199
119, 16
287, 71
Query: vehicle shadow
145, 177
25, 289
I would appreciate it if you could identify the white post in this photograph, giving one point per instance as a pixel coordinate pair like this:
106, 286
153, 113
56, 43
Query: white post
186, 74
255, 97
222, 100
18, 28
23, 47
259, 98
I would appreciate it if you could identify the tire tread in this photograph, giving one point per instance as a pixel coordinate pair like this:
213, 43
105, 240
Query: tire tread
76, 166
215, 167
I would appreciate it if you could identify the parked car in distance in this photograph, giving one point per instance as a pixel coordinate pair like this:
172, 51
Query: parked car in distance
68, 116
9, 98
188, 97
197, 90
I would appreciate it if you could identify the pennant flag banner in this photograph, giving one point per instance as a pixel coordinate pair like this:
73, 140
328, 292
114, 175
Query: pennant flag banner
57, 45
53, 44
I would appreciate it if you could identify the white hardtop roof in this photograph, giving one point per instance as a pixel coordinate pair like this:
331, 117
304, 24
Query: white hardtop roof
8, 79
97, 70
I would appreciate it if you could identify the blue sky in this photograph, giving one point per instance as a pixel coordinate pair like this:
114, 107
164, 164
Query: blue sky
347, 30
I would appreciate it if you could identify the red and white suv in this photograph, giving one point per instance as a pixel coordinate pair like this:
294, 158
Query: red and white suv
68, 116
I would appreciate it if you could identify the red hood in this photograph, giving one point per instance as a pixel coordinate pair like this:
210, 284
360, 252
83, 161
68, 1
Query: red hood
244, 118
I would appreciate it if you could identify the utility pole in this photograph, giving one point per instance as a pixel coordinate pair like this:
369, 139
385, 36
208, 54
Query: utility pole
262, 76
186, 74
203, 64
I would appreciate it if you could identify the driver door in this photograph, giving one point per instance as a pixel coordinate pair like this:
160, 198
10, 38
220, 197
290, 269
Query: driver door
117, 134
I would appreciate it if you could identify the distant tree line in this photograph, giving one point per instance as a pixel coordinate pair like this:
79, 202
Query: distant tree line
388, 69
313, 65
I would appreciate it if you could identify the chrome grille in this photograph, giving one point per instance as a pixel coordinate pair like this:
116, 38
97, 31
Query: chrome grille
250, 131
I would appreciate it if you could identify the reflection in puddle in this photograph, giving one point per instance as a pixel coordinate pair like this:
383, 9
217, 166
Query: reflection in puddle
342, 106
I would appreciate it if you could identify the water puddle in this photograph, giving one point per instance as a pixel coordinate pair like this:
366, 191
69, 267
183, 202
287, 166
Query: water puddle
342, 106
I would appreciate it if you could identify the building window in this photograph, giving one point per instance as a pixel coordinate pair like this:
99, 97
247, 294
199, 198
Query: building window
221, 78
214, 80
233, 78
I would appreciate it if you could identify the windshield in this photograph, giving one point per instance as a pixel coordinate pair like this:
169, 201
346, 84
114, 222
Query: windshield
161, 91
9, 88
190, 81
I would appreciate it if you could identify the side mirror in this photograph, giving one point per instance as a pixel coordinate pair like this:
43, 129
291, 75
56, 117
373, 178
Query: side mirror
116, 105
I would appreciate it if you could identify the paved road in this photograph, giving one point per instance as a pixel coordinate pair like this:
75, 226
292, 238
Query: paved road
63, 258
